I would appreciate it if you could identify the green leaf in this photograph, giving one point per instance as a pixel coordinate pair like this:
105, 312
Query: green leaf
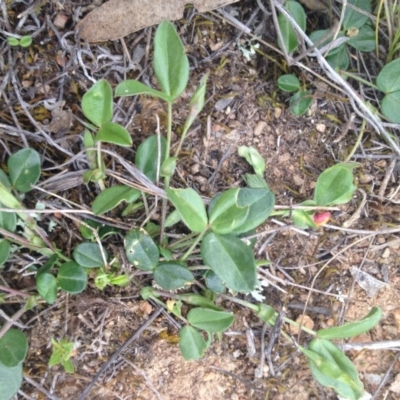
191, 343
289, 35
330, 367
170, 62
231, 260
353, 18
255, 181
388, 80
196, 103
323, 38
300, 102
210, 320
173, 218
72, 277
132, 87
111, 197
335, 185
111, 132
47, 287
24, 169
352, 329
302, 219
149, 156
25, 41
190, 206
10, 381
260, 203
4, 251
12, 41
168, 167
289, 83
48, 265
8, 220
171, 275
197, 300
390, 106
225, 214
340, 59
89, 255
141, 250
365, 40
13, 348
214, 282
267, 314
254, 158
5, 180
97, 103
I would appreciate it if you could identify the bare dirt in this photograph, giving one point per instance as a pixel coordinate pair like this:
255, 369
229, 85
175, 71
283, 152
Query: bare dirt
310, 271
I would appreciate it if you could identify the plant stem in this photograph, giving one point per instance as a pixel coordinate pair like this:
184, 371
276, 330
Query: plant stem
358, 141
100, 165
169, 130
194, 244
359, 79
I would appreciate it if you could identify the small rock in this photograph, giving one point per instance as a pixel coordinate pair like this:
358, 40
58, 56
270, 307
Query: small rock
320, 128
261, 125
305, 321
277, 112
60, 21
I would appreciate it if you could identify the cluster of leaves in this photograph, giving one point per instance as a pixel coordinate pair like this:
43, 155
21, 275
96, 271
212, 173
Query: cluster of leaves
23, 41
356, 33
216, 238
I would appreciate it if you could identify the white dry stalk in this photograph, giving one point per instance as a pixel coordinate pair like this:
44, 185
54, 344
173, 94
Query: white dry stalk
359, 107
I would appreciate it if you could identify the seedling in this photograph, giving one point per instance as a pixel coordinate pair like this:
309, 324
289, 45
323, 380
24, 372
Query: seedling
23, 41
61, 354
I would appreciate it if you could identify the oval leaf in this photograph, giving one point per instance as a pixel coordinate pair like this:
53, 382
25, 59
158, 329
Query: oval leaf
24, 169
97, 103
231, 260
352, 329
10, 381
335, 185
88, 255
141, 250
390, 106
210, 320
8, 221
330, 367
225, 214
47, 287
254, 158
172, 276
388, 80
353, 18
5, 248
289, 36
131, 87
111, 197
197, 300
191, 343
300, 102
72, 277
149, 157
13, 348
170, 62
190, 207
289, 83
111, 132
365, 39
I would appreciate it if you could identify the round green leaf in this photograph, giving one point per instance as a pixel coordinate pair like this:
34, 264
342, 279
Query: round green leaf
171, 65
72, 277
149, 154
47, 287
191, 343
25, 41
171, 275
13, 348
141, 250
388, 80
365, 40
88, 255
390, 106
4, 251
111, 197
111, 132
340, 59
97, 103
353, 18
300, 102
288, 83
8, 221
24, 169
190, 207
10, 381
231, 260
210, 320
12, 41
335, 185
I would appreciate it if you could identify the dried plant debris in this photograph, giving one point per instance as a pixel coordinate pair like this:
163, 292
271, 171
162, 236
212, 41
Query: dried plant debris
370, 284
118, 18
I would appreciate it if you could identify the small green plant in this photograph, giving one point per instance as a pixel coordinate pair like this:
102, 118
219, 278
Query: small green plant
23, 41
62, 351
